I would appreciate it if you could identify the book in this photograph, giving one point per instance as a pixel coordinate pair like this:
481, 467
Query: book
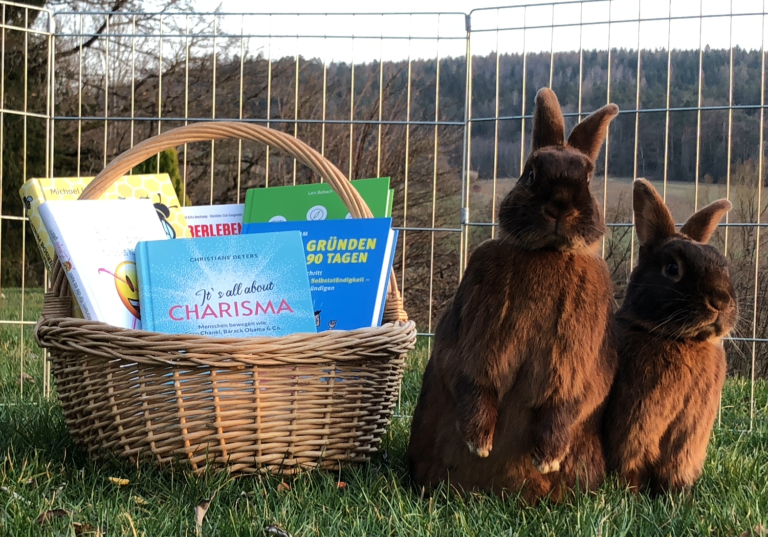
95, 242
314, 202
348, 263
156, 187
214, 220
228, 286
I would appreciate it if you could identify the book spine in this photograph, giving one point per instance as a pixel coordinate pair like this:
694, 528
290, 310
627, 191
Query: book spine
248, 217
386, 270
82, 292
145, 295
32, 196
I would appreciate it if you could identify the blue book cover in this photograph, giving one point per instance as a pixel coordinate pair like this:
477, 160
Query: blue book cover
348, 262
229, 286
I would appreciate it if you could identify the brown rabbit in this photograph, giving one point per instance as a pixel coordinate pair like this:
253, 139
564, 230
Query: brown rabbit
523, 358
679, 305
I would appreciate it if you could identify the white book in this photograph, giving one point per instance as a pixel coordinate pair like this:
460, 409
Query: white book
214, 220
95, 242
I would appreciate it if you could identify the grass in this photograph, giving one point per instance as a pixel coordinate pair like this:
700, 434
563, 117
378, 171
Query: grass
41, 470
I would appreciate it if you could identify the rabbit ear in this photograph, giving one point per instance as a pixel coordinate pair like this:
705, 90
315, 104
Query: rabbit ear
703, 223
653, 222
588, 136
548, 125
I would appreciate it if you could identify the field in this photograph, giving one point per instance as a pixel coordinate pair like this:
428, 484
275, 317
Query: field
680, 196
42, 472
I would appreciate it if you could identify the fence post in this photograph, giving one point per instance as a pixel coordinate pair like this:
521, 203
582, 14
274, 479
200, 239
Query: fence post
466, 153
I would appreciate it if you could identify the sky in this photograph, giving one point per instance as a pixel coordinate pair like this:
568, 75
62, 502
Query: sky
344, 30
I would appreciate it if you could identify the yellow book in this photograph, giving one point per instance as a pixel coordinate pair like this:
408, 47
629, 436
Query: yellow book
156, 187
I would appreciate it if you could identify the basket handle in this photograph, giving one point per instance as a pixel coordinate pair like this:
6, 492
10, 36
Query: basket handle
222, 130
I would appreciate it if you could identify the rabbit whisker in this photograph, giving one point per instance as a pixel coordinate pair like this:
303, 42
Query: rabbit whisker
670, 319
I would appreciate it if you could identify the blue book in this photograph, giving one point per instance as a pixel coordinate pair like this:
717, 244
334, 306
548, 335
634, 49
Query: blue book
349, 263
229, 286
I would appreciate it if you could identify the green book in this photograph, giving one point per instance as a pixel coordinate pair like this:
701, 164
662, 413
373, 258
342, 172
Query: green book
314, 202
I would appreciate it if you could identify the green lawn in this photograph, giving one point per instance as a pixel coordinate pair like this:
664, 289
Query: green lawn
42, 470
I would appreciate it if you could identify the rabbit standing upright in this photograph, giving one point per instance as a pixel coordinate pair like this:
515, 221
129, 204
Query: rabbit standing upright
523, 360
679, 305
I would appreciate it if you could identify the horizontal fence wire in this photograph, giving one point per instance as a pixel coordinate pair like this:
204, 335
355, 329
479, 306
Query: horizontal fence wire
441, 103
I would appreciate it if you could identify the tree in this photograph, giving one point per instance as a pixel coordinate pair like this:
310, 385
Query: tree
169, 163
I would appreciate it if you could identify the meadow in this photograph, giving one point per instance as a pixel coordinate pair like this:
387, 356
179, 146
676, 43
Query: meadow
48, 486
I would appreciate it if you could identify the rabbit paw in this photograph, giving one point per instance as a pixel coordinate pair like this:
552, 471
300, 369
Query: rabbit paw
481, 452
546, 467
480, 445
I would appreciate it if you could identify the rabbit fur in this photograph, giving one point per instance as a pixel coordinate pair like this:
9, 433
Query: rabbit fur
679, 305
513, 393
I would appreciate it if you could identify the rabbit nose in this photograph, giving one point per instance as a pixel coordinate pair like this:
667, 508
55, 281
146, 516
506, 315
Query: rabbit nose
719, 301
557, 213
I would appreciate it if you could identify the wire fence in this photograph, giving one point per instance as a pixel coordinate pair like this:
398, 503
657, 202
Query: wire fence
26, 109
439, 102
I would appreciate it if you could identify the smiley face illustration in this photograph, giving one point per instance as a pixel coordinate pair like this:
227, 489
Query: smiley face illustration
126, 286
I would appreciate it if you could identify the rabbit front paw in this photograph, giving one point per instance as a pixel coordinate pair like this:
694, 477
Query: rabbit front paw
548, 462
478, 442
546, 467
481, 452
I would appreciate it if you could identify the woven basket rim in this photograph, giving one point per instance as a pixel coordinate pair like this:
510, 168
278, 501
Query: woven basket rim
114, 343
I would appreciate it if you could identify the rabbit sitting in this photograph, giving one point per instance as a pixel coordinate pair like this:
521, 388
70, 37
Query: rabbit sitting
679, 305
513, 393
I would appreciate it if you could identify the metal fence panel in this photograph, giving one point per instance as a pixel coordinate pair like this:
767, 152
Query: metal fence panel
440, 102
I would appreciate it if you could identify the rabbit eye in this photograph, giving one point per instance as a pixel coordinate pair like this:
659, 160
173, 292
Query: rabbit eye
672, 270
531, 177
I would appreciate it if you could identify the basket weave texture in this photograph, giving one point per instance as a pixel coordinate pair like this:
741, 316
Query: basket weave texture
244, 404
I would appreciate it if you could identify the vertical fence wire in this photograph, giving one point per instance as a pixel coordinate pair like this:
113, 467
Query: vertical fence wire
758, 215
496, 136
352, 104
607, 150
466, 154
728, 165
2, 140
407, 157
433, 222
698, 107
638, 78
325, 99
214, 64
24, 161
669, 93
240, 107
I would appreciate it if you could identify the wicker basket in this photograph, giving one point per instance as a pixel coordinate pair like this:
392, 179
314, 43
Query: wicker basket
245, 404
